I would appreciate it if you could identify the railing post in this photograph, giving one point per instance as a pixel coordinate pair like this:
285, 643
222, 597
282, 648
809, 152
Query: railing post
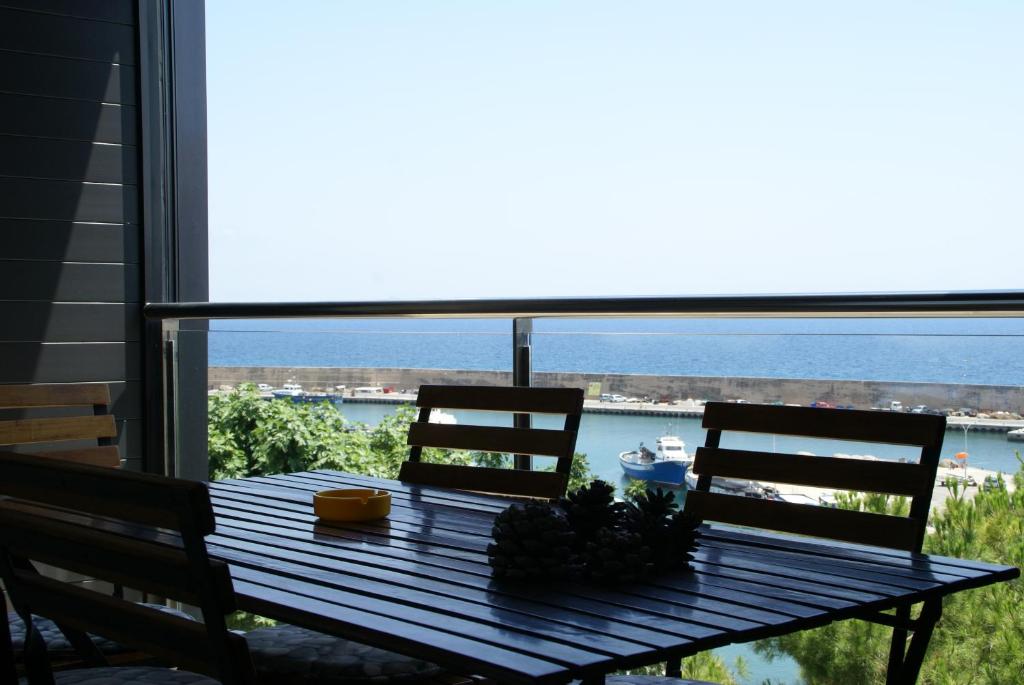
168, 340
522, 377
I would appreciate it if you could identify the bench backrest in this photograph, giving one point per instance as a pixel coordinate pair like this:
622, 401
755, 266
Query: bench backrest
93, 422
915, 480
136, 530
511, 440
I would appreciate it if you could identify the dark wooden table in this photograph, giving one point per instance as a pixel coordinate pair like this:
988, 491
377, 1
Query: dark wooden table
419, 583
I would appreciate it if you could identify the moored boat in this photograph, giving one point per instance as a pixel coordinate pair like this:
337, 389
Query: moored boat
667, 464
295, 393
734, 486
289, 390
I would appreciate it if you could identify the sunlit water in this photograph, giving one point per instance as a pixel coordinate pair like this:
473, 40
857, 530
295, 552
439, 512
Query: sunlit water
981, 351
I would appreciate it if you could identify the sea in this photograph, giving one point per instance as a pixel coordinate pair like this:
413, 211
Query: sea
967, 350
973, 351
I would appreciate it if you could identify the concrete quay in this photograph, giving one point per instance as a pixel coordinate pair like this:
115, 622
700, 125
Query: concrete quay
1013, 428
657, 389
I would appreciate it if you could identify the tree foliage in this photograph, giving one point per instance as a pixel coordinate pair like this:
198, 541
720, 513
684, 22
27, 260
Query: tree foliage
980, 638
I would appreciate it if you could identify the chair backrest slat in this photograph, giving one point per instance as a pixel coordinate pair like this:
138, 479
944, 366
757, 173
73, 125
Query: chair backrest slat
56, 395
43, 418
551, 443
28, 431
152, 567
543, 484
916, 480
498, 398
831, 472
170, 638
104, 455
519, 440
140, 531
143, 498
838, 524
894, 428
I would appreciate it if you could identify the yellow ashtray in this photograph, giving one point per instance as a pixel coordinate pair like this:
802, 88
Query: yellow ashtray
352, 504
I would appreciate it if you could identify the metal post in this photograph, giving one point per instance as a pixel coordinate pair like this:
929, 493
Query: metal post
522, 377
170, 398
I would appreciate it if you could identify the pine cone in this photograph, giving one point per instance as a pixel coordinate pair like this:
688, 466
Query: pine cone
682, 540
591, 508
532, 541
616, 556
656, 504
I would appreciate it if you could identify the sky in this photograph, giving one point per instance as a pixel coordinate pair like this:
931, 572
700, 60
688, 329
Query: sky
432, 149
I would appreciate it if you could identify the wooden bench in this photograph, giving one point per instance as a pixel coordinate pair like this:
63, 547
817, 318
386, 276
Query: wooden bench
142, 531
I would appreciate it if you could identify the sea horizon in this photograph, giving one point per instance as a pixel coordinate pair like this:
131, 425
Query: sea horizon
956, 351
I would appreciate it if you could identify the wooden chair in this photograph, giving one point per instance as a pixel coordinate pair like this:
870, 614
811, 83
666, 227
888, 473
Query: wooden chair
145, 532
97, 426
915, 480
922, 432
61, 413
531, 441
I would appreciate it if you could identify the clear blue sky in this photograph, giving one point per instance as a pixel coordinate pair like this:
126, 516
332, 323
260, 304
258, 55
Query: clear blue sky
429, 149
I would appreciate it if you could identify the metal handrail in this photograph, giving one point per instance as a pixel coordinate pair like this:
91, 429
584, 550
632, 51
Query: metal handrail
945, 304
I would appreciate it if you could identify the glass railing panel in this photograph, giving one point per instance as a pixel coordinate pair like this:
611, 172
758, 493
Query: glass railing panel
646, 378
324, 393
465, 344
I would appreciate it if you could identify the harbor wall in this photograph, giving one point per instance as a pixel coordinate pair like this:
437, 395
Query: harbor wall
862, 394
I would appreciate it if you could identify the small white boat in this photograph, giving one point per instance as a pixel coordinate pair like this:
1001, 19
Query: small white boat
289, 390
442, 417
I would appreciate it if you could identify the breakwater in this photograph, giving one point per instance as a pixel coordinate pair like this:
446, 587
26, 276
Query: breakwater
662, 389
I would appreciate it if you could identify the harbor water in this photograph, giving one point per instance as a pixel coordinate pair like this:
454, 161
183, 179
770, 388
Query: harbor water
603, 436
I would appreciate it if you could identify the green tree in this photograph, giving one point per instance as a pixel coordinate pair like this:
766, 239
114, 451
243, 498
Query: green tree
980, 638
634, 489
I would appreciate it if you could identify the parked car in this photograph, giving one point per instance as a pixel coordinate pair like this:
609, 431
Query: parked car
964, 481
967, 411
991, 483
609, 397
822, 404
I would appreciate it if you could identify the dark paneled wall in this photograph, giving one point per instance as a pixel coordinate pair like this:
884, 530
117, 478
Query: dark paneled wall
70, 234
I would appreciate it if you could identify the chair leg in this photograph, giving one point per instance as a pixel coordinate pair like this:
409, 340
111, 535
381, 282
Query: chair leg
674, 668
898, 645
8, 673
906, 670
37, 663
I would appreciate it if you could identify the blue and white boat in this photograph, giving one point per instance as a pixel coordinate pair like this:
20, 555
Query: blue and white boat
667, 464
